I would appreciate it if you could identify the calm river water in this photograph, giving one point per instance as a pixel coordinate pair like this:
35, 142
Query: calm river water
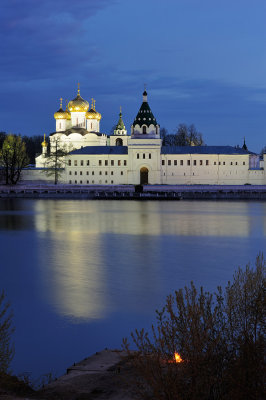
81, 275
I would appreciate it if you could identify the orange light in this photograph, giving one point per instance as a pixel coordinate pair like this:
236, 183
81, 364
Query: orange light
178, 358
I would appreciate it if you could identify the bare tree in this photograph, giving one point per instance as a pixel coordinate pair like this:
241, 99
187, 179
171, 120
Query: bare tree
55, 162
187, 135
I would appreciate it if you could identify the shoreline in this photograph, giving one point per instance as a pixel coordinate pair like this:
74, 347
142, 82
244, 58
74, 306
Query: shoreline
106, 374
131, 192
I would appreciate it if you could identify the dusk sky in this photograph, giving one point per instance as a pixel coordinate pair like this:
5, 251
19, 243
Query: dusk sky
204, 62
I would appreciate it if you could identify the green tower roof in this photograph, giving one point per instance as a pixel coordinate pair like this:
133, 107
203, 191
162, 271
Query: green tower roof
120, 125
145, 115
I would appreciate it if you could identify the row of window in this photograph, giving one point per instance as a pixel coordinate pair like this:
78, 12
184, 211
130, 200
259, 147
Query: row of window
100, 163
88, 182
144, 155
92, 173
169, 162
226, 173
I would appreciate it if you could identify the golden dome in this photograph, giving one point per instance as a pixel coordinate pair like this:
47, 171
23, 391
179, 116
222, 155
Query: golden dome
78, 104
44, 143
60, 114
92, 113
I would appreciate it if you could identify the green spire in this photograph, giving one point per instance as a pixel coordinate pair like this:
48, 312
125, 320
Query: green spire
244, 145
120, 125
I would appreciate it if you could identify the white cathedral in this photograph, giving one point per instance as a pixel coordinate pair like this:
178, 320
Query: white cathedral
139, 157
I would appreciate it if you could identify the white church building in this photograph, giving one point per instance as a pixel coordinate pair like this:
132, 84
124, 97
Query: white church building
139, 157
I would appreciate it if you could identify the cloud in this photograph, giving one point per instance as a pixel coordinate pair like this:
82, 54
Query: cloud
47, 47
40, 39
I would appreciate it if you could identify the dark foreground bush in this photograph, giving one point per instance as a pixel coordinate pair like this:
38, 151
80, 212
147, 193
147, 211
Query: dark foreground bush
220, 338
12, 384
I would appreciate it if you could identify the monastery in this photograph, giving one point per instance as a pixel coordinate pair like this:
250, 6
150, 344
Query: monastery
139, 157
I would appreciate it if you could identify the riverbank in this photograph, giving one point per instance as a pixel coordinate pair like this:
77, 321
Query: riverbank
131, 192
107, 374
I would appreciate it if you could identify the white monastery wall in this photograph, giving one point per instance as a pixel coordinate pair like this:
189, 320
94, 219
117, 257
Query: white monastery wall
166, 169
97, 169
36, 175
205, 169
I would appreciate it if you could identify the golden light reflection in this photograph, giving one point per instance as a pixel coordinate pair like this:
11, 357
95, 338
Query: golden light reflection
75, 285
144, 218
74, 258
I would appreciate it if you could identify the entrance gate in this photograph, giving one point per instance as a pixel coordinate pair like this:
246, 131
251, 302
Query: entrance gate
144, 176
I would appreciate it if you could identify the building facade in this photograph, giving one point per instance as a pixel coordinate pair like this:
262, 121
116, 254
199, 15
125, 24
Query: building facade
139, 157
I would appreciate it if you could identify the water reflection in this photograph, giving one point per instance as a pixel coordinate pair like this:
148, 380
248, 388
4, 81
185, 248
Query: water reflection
80, 275
144, 218
85, 261
15, 215
72, 269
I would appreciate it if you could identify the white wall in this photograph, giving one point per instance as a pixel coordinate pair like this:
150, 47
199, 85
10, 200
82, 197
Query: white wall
92, 125
97, 169
203, 169
152, 131
36, 176
148, 156
78, 119
113, 139
76, 140
60, 125
208, 169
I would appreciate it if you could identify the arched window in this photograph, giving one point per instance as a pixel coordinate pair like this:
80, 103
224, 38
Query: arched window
119, 142
144, 129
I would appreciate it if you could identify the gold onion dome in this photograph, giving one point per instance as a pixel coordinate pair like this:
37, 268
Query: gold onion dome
44, 143
78, 104
60, 114
92, 113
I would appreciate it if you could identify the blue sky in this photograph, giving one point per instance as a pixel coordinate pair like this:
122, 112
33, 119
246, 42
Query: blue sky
204, 62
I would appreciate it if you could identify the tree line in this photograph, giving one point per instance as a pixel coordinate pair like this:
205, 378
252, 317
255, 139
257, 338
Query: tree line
184, 135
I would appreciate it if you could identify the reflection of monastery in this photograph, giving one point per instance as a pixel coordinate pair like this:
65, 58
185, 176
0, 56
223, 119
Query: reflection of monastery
120, 158
76, 268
